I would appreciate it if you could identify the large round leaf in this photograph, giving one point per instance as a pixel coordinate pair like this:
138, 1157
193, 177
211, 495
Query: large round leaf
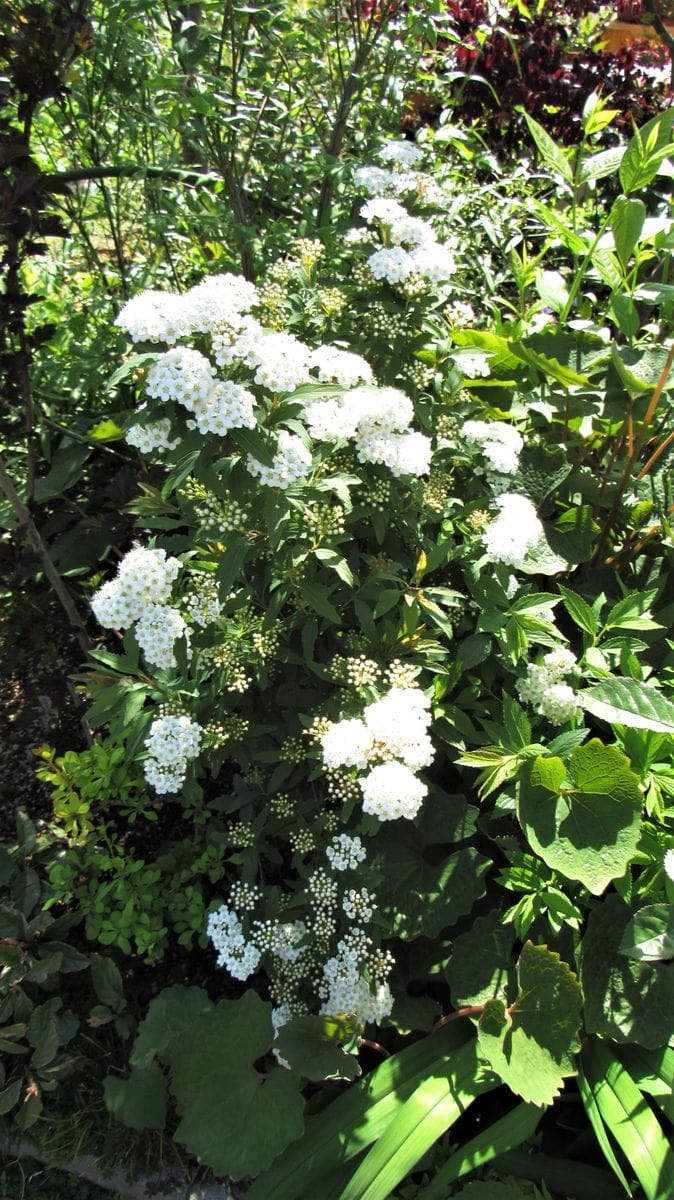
236, 1118
584, 816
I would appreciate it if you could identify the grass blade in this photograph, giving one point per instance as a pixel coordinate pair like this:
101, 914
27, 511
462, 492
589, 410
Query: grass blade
356, 1118
505, 1134
630, 1121
435, 1105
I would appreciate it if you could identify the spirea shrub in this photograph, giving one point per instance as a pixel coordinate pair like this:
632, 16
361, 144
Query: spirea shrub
364, 570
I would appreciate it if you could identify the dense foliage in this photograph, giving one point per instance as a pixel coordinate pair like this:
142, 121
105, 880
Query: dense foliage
380, 683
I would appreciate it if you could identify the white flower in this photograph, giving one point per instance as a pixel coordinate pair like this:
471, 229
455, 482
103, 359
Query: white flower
378, 410
378, 182
668, 863
330, 420
240, 958
392, 264
399, 724
154, 316
346, 744
183, 375
558, 703
172, 742
155, 435
392, 790
384, 210
291, 462
402, 453
228, 406
218, 300
333, 365
500, 443
412, 231
144, 577
514, 532
156, 632
401, 152
345, 853
559, 662
433, 261
282, 360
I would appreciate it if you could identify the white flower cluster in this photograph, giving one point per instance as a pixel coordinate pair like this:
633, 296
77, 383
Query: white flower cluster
156, 632
203, 602
668, 863
144, 577
345, 853
241, 958
333, 365
188, 378
153, 436
376, 181
395, 730
291, 462
500, 444
167, 317
378, 420
343, 988
543, 689
400, 152
173, 741
514, 532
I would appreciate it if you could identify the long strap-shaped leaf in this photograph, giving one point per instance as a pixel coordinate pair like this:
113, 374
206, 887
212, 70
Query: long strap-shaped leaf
653, 1073
630, 1121
505, 1133
597, 1124
355, 1119
433, 1108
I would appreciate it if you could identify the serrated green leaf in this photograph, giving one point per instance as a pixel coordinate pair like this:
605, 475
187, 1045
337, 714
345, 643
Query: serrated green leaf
579, 610
420, 898
582, 816
531, 1044
601, 164
107, 981
234, 1118
630, 702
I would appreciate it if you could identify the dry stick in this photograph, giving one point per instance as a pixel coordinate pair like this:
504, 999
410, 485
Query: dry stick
33, 535
656, 454
636, 451
471, 1010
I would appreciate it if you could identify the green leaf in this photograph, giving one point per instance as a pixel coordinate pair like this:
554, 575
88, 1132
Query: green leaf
169, 1015
9, 1096
130, 365
418, 897
318, 597
65, 470
639, 370
627, 221
139, 1101
651, 144
311, 1045
630, 1121
653, 1072
629, 702
481, 967
540, 472
649, 936
107, 982
582, 816
433, 1108
531, 1044
579, 611
234, 1118
550, 152
552, 289
625, 1000
597, 1124
548, 366
598, 166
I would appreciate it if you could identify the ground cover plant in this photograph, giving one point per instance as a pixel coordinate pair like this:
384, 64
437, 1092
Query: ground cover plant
366, 878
